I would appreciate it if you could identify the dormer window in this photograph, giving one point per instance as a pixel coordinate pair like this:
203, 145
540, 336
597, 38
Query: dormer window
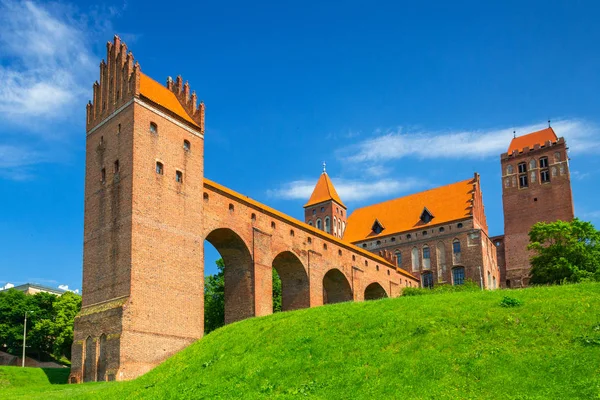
426, 216
377, 227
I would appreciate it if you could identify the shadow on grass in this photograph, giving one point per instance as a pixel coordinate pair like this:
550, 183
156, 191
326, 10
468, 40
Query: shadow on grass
57, 376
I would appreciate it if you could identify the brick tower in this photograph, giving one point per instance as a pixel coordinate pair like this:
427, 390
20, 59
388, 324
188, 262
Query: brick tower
143, 266
325, 209
536, 186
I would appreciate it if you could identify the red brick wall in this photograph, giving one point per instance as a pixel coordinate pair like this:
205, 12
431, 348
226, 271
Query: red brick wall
329, 209
523, 207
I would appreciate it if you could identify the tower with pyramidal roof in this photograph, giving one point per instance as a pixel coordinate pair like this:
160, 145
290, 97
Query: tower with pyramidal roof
325, 210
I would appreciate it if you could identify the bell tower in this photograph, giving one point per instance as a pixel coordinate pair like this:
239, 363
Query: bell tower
325, 210
536, 186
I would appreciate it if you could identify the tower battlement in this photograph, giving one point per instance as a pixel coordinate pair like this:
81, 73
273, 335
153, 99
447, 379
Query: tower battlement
121, 80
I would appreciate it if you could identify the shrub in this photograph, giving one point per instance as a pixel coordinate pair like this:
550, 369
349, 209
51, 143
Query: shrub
510, 302
468, 286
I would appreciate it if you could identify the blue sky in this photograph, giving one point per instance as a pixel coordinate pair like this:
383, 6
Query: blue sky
395, 97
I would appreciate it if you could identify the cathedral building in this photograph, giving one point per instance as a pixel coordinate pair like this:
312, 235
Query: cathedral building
439, 235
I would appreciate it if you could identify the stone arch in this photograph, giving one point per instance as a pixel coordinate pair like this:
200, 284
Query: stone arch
238, 273
375, 291
89, 360
102, 359
336, 288
295, 289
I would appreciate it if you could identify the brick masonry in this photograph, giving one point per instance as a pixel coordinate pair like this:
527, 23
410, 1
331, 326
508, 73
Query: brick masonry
524, 206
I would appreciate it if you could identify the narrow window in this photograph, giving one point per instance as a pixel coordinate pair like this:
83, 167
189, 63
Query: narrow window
377, 267
544, 162
205, 196
388, 271
314, 211
557, 156
415, 259
458, 275
118, 128
427, 279
179, 176
353, 257
253, 217
322, 209
509, 170
291, 232
103, 175
310, 223
159, 168
319, 223
489, 280
545, 176
399, 259
231, 207
153, 128
339, 252
456, 246
186, 145
523, 181
366, 263
532, 164
426, 258
522, 168
273, 224
309, 240
116, 167
324, 246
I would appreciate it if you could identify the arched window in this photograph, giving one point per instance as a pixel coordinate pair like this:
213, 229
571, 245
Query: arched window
186, 145
426, 258
310, 223
441, 258
458, 275
327, 225
489, 280
398, 259
319, 223
334, 226
427, 280
153, 128
415, 259
343, 228
509, 170
159, 168
456, 252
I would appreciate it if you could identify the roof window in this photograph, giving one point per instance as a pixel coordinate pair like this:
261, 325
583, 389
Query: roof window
426, 216
377, 227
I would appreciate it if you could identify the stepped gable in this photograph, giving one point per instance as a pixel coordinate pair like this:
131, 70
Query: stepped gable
121, 80
324, 191
540, 138
445, 203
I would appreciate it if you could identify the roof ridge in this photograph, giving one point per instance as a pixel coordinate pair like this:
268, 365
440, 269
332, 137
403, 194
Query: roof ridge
415, 193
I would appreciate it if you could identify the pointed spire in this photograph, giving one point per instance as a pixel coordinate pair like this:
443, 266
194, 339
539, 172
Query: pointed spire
324, 191
324, 165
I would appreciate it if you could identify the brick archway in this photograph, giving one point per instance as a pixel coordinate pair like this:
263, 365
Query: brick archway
375, 291
336, 288
238, 272
295, 289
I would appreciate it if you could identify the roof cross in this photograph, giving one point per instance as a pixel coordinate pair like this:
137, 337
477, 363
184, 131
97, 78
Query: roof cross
324, 165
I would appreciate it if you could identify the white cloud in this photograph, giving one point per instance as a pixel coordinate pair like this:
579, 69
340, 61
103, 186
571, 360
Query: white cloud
66, 288
349, 190
7, 286
582, 137
46, 66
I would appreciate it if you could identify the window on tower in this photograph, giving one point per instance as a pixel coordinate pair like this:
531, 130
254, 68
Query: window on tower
523, 181
522, 168
153, 128
159, 168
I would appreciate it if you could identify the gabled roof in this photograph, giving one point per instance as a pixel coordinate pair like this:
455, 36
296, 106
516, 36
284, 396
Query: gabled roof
531, 139
324, 191
448, 203
162, 96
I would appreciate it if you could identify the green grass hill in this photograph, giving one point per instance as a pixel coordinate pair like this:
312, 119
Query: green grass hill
542, 344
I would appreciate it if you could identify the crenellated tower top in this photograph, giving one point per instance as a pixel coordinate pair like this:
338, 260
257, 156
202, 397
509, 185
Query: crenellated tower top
121, 80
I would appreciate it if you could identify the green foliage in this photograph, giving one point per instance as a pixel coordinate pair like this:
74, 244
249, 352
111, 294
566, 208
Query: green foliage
564, 252
510, 302
49, 323
468, 286
214, 297
450, 346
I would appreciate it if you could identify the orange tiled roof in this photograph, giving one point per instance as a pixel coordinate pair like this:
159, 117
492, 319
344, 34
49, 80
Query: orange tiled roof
162, 96
324, 191
303, 225
531, 139
447, 203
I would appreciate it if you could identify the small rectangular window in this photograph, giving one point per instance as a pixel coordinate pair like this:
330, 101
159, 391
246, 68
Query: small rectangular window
544, 162
159, 168
116, 167
153, 128
179, 176
545, 176
456, 247
523, 181
103, 175
186, 145
118, 128
522, 168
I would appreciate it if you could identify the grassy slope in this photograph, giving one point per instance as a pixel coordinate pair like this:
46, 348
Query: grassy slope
457, 345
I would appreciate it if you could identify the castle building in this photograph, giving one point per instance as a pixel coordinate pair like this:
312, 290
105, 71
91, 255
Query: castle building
536, 186
439, 235
325, 210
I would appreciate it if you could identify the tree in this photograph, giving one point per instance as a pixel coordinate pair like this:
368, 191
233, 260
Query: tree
564, 251
49, 322
214, 297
